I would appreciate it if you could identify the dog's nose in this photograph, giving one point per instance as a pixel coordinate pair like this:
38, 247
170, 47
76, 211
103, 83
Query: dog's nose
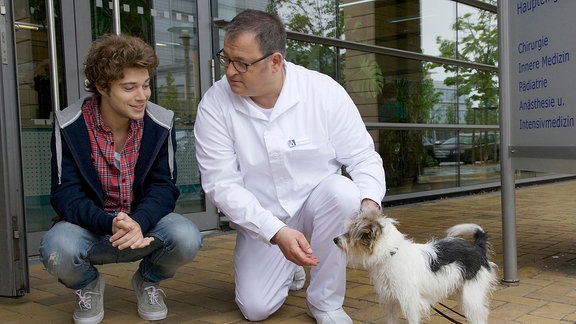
335, 240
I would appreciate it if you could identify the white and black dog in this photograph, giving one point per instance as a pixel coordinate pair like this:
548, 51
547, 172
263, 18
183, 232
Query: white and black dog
410, 278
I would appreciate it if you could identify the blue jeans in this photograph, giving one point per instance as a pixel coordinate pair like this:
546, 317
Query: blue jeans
70, 252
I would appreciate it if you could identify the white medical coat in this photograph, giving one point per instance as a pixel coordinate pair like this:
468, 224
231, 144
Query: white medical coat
259, 170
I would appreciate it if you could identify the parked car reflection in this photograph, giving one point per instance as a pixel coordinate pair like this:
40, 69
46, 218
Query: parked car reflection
468, 148
429, 149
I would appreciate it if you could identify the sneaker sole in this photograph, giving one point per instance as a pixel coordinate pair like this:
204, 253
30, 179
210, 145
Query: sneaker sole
153, 316
95, 319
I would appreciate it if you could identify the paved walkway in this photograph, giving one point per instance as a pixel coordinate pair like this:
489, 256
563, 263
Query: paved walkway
203, 291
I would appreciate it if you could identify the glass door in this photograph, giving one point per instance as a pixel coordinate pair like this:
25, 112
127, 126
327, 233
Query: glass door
13, 259
36, 105
171, 27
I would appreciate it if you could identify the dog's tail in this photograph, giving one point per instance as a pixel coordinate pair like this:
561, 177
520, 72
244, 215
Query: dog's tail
480, 236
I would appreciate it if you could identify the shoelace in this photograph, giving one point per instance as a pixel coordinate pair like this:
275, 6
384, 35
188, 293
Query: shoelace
153, 294
85, 302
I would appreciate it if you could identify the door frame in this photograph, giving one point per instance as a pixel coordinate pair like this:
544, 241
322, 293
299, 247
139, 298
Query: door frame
14, 279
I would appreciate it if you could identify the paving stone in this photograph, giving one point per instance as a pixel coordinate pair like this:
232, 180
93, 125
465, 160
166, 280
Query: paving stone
203, 290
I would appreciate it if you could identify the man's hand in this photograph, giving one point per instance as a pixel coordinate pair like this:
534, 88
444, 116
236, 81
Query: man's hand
295, 247
127, 233
368, 204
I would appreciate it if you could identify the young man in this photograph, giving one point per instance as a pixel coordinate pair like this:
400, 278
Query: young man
113, 184
271, 138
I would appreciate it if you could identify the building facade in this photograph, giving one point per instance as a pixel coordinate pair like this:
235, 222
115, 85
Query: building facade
422, 73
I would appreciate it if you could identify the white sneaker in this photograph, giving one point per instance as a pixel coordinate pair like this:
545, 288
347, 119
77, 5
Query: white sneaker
299, 278
337, 316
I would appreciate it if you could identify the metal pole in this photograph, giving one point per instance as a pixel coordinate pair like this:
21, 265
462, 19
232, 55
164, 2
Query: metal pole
51, 28
508, 184
116, 17
185, 37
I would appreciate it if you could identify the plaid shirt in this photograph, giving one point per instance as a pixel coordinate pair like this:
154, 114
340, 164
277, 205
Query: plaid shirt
116, 182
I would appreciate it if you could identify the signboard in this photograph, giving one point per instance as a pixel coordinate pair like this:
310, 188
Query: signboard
541, 68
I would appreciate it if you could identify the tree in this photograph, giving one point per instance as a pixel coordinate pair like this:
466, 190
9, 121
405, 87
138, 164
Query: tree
168, 97
316, 18
477, 42
403, 151
132, 23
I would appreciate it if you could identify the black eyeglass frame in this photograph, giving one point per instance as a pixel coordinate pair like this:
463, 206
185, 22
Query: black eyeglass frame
224, 60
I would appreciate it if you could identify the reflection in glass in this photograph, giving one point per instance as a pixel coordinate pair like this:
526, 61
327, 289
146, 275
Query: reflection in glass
171, 27
476, 41
35, 98
394, 24
394, 90
438, 17
317, 18
316, 57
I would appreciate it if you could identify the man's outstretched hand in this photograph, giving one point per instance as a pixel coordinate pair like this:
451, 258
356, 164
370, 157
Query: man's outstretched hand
295, 247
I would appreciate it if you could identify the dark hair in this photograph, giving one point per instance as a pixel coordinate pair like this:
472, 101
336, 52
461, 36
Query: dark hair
268, 28
110, 54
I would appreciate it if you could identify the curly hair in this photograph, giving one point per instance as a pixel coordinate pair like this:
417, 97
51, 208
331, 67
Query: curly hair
110, 54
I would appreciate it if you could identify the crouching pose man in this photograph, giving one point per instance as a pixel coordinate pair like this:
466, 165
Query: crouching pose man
271, 139
113, 184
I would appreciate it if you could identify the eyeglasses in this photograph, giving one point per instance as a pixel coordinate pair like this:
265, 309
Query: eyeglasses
241, 67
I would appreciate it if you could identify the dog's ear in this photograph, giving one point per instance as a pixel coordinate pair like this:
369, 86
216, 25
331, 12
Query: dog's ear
371, 214
370, 234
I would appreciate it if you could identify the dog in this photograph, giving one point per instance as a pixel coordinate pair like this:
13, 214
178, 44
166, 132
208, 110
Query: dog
410, 278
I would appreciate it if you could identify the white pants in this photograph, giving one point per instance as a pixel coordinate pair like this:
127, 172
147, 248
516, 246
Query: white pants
263, 274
